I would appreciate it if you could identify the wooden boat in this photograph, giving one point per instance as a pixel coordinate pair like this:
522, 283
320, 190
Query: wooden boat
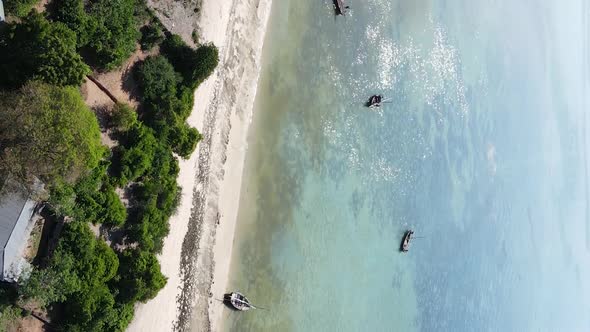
340, 7
238, 301
405, 245
374, 101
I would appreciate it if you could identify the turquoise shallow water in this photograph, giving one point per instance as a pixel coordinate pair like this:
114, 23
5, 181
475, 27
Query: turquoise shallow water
482, 151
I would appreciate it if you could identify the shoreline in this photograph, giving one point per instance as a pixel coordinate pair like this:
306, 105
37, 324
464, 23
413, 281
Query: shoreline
197, 252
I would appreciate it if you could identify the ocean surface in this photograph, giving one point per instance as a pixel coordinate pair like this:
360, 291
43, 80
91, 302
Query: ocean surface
482, 150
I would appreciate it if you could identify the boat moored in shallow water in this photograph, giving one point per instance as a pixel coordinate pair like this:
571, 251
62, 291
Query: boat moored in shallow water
238, 301
340, 7
405, 245
374, 101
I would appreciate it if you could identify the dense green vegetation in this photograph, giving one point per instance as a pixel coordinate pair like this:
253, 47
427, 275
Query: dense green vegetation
194, 66
123, 117
167, 104
96, 201
19, 8
106, 29
42, 50
167, 82
9, 314
152, 166
47, 132
84, 274
151, 35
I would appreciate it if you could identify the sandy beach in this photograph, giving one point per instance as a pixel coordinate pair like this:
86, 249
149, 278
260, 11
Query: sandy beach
197, 252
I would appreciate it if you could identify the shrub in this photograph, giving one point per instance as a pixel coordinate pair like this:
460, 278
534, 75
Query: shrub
9, 316
194, 66
195, 37
19, 8
115, 32
156, 199
151, 35
136, 155
157, 81
207, 58
114, 212
141, 278
107, 30
80, 262
62, 198
123, 117
72, 14
184, 139
186, 102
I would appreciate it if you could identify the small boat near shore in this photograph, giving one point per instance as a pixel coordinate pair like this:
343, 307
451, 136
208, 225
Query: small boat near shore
374, 101
405, 245
238, 301
340, 7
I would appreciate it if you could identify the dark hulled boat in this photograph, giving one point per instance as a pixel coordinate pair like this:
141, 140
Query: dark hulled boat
374, 101
340, 7
238, 301
405, 245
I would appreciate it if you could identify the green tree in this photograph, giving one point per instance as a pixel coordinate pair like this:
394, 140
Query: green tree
53, 284
80, 262
141, 278
19, 8
151, 35
106, 29
114, 212
167, 105
49, 133
207, 58
134, 158
72, 14
114, 32
9, 313
157, 81
184, 139
79, 275
194, 66
41, 50
96, 200
9, 316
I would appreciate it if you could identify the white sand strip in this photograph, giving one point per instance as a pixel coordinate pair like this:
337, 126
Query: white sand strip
197, 249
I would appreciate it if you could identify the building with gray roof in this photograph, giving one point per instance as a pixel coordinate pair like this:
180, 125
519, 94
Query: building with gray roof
16, 210
2, 18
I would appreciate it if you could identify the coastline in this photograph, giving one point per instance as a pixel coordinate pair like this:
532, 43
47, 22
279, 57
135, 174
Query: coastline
197, 252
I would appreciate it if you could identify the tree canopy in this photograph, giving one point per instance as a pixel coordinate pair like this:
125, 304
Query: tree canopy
141, 278
79, 275
19, 8
41, 50
167, 104
47, 132
194, 65
157, 80
106, 29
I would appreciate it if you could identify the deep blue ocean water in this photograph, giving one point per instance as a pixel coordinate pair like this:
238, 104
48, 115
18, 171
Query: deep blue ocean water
482, 151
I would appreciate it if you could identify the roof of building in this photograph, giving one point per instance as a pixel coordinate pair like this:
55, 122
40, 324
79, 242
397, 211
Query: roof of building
11, 205
15, 213
2, 18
